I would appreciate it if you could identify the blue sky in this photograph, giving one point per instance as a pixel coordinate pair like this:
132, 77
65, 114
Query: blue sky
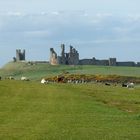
96, 28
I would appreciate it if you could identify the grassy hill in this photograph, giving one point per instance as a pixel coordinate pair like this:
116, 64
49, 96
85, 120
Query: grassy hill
33, 111
38, 70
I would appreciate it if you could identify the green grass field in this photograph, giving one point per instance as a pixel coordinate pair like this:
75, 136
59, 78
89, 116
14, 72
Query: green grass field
31, 111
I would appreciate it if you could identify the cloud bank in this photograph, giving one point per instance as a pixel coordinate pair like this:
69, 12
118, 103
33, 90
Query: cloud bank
75, 27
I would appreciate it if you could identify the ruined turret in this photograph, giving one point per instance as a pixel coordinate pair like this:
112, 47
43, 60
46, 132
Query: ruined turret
63, 55
20, 55
73, 56
112, 61
53, 57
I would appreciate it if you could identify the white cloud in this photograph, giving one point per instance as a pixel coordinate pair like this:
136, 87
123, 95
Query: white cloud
104, 15
56, 13
14, 14
43, 13
37, 34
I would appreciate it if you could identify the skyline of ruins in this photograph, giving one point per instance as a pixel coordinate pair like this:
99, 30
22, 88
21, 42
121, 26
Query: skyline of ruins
72, 58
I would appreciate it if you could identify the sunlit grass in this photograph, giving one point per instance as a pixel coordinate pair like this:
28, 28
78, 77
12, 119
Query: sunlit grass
29, 110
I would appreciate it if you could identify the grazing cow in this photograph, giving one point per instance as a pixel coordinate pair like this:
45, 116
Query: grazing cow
24, 78
11, 78
0, 77
124, 85
107, 84
43, 81
130, 85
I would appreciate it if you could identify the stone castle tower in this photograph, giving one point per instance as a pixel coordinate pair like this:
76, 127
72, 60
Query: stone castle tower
112, 61
20, 56
71, 58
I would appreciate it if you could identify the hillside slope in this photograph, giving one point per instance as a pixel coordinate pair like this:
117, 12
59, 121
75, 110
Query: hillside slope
38, 70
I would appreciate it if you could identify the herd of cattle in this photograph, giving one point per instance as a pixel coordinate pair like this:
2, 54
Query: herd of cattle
83, 81
23, 78
74, 81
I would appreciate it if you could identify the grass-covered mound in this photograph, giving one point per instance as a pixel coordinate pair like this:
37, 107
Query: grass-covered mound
31, 111
36, 71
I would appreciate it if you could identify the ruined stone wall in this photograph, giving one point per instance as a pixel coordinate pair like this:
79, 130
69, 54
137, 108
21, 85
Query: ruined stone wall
110, 62
86, 62
93, 62
126, 64
102, 62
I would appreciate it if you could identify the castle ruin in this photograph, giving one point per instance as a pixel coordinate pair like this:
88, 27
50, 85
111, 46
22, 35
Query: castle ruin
70, 58
20, 55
